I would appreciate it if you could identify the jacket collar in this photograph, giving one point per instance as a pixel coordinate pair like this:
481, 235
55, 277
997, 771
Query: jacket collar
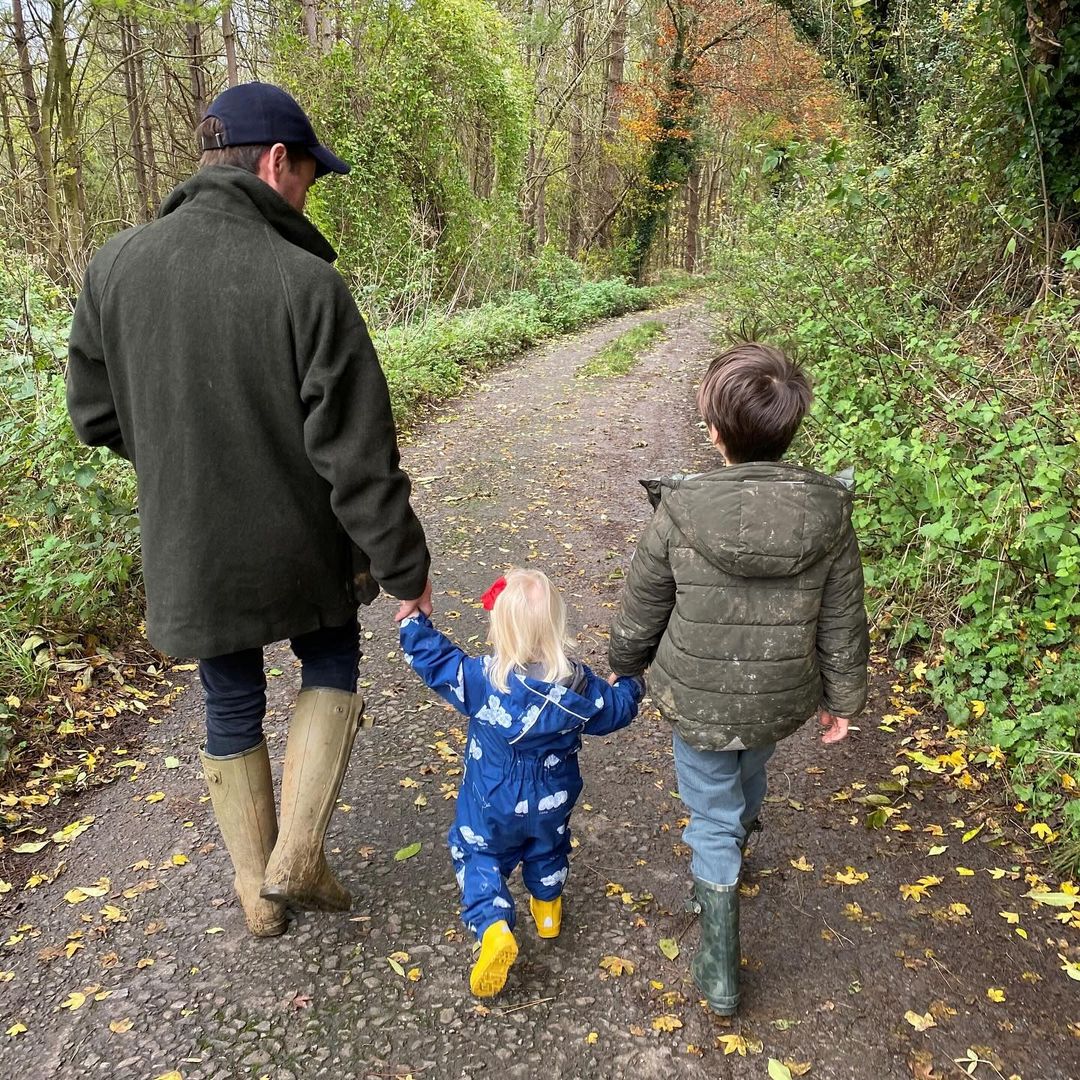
230, 190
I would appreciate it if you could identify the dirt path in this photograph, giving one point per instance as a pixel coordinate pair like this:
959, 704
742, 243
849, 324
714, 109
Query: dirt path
535, 465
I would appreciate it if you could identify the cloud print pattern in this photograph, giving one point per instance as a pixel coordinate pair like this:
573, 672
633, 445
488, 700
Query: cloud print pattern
521, 776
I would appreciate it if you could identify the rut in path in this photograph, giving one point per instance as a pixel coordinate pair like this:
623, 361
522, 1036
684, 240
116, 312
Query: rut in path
537, 467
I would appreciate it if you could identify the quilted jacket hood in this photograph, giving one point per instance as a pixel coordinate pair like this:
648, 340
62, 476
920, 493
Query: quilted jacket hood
760, 519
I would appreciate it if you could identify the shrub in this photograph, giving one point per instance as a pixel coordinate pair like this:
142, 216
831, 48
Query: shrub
960, 423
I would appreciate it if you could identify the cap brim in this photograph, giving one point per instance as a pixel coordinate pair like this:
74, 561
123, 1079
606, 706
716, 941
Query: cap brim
326, 162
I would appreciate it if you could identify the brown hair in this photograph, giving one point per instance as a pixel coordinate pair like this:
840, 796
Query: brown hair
246, 156
755, 399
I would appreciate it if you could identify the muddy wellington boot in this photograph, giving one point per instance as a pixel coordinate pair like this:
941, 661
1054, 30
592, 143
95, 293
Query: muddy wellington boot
716, 964
242, 794
321, 736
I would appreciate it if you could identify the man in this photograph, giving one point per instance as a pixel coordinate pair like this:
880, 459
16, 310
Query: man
219, 351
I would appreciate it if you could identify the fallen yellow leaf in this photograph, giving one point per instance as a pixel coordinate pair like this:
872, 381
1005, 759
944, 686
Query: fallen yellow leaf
616, 965
801, 864
84, 892
592, 1037
849, 876
994, 994
920, 1023
75, 1000
118, 1027
16, 1029
666, 1023
733, 1044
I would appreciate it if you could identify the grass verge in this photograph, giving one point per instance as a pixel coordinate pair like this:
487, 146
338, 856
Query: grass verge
618, 357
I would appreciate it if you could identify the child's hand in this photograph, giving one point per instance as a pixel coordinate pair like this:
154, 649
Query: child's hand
836, 727
612, 679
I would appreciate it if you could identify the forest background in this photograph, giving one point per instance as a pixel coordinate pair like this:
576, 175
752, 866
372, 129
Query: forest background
887, 188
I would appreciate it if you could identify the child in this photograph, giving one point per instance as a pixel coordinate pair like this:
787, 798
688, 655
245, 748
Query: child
528, 706
745, 595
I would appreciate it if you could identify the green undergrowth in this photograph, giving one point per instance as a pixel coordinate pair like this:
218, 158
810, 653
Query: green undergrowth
619, 356
434, 358
69, 541
960, 420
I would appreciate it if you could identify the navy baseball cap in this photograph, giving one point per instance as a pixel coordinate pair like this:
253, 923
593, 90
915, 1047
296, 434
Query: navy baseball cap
257, 113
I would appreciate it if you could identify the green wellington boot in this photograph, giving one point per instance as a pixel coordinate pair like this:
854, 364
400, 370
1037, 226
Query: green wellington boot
242, 795
320, 741
716, 964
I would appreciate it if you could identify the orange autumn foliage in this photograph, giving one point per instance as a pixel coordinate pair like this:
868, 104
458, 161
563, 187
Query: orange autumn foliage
741, 60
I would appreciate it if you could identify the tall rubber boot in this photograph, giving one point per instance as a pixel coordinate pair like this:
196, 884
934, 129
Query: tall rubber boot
321, 736
716, 964
242, 795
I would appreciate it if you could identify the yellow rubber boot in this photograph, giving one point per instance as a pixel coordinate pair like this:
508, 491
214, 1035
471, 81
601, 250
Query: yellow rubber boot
498, 951
547, 914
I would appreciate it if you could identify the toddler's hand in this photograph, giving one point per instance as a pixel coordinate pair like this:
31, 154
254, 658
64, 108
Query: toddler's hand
612, 679
836, 727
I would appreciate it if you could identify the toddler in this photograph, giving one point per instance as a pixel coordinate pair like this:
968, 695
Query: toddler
528, 706
745, 595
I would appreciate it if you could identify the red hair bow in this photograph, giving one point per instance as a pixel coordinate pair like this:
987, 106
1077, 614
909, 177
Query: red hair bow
489, 598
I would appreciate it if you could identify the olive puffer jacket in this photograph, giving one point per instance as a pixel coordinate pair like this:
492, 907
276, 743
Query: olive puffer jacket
745, 595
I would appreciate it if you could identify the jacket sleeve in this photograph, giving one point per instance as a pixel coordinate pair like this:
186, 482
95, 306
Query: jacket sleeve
647, 601
621, 702
446, 669
351, 441
843, 638
90, 399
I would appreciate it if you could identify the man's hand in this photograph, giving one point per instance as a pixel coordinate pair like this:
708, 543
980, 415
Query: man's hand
411, 607
836, 727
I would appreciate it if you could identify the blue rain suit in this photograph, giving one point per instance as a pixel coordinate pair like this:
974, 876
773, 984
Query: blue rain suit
521, 776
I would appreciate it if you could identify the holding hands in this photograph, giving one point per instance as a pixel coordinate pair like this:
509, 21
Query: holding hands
410, 607
836, 727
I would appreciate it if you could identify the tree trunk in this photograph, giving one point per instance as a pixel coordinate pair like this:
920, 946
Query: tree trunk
40, 133
616, 66
131, 95
9, 145
197, 70
228, 33
576, 221
143, 103
62, 94
693, 213
310, 16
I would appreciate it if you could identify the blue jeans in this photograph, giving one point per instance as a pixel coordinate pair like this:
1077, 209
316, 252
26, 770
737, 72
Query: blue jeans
235, 684
723, 790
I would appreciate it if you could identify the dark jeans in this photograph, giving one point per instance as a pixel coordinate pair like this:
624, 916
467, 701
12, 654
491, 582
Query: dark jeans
235, 684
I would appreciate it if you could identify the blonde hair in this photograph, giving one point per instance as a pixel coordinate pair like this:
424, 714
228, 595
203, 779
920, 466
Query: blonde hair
528, 626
